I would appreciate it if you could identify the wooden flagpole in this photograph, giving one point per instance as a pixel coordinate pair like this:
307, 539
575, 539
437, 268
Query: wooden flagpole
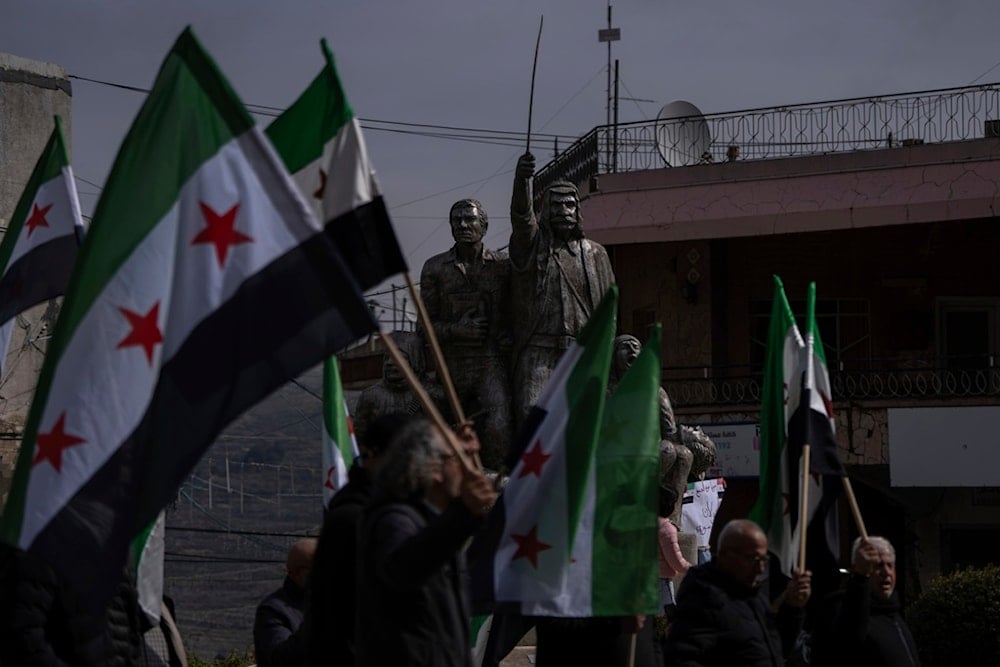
427, 403
425, 320
804, 508
855, 510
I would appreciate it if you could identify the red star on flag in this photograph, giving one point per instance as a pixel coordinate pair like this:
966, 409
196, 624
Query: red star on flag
534, 459
827, 404
322, 186
220, 231
51, 445
37, 218
145, 330
528, 546
329, 479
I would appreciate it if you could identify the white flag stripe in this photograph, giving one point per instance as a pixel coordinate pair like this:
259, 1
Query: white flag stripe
74, 199
520, 579
348, 189
87, 384
149, 571
60, 193
786, 544
575, 589
333, 457
308, 180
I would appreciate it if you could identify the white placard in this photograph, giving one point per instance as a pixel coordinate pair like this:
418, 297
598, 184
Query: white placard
701, 502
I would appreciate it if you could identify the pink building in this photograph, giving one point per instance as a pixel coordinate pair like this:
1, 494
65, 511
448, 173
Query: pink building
889, 204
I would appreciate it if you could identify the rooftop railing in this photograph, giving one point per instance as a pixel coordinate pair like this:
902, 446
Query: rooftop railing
714, 386
864, 123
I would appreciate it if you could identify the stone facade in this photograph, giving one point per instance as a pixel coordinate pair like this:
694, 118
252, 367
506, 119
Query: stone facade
31, 94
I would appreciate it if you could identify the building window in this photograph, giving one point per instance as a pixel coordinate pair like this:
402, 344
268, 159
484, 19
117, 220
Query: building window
844, 326
968, 332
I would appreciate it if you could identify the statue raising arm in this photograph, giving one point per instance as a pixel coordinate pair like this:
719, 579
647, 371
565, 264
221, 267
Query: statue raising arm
524, 227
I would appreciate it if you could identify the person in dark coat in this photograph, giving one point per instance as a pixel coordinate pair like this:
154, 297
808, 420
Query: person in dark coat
42, 621
124, 622
330, 602
413, 602
278, 637
863, 625
723, 617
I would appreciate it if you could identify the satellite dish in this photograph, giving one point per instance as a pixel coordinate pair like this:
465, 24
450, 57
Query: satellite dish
682, 135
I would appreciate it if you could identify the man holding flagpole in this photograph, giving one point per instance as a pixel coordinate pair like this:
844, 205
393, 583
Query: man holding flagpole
411, 564
330, 606
723, 616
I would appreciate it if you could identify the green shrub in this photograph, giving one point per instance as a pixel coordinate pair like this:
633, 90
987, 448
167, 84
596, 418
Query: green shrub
234, 659
958, 619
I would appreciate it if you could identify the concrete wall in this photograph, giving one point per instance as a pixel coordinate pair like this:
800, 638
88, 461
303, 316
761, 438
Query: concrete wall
31, 93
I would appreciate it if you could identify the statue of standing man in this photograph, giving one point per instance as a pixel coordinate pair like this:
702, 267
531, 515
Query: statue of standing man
466, 291
558, 279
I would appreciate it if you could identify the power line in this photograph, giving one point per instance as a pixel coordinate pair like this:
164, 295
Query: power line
480, 135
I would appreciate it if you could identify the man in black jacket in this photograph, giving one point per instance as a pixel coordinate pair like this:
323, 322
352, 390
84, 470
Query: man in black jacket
722, 616
42, 621
330, 603
414, 610
278, 638
863, 624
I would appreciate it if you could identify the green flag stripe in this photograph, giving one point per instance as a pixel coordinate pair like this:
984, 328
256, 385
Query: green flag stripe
189, 91
624, 578
49, 166
585, 392
301, 132
333, 400
767, 511
188, 84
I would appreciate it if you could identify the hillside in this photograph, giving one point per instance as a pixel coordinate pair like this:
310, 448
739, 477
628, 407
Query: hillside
255, 490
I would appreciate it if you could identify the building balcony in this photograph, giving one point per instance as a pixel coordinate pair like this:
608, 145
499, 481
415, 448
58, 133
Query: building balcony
732, 386
818, 128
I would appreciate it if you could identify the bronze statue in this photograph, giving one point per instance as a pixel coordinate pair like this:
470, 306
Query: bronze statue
701, 446
675, 458
466, 291
392, 393
558, 279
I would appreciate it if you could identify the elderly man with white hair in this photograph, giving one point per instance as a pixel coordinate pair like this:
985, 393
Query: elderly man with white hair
863, 624
723, 616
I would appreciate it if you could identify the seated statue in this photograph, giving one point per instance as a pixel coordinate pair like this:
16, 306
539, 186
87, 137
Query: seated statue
392, 393
675, 460
685, 452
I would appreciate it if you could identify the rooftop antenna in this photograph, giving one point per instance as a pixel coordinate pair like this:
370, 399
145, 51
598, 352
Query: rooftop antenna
609, 35
682, 134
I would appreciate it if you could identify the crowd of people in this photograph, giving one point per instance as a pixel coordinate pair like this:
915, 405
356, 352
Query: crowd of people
389, 582
390, 586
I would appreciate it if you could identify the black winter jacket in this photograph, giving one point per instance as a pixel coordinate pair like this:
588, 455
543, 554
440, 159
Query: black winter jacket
330, 603
720, 621
415, 610
277, 629
41, 622
863, 629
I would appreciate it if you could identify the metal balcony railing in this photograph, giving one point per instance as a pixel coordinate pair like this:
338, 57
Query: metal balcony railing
864, 123
692, 387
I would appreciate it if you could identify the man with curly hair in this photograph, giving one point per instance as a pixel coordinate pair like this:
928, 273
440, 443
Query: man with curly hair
413, 602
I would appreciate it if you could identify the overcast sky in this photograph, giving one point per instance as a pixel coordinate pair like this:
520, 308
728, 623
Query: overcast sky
467, 63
